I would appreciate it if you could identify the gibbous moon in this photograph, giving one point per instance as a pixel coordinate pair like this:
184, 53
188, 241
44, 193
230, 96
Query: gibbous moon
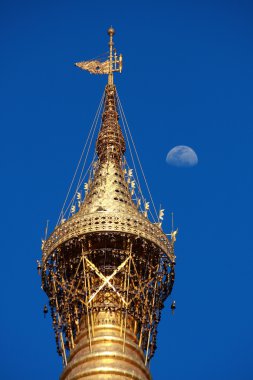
183, 156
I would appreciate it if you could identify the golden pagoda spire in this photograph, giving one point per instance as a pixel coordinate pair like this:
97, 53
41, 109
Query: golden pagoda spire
107, 270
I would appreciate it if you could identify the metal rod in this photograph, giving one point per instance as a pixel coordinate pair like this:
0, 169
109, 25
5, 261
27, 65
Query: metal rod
128, 282
59, 319
91, 313
124, 290
150, 323
87, 306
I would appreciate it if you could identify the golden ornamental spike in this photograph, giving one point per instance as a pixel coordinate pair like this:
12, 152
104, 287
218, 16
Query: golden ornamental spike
111, 33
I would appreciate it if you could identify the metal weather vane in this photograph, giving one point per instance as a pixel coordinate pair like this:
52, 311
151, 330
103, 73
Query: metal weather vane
111, 65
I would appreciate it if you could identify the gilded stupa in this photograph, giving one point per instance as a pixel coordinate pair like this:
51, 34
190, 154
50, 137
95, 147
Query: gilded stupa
107, 269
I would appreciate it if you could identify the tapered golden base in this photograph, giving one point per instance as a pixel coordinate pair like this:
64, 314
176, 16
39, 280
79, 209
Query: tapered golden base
106, 351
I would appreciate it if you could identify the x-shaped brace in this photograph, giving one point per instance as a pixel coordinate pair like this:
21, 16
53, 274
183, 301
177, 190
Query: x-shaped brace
106, 279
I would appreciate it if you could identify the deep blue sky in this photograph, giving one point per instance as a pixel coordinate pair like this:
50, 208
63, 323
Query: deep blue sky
187, 80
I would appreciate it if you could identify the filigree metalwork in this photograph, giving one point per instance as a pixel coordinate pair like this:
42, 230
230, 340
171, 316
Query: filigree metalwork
108, 259
94, 67
131, 276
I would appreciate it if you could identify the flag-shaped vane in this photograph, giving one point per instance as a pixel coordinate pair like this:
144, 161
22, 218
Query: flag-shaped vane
95, 67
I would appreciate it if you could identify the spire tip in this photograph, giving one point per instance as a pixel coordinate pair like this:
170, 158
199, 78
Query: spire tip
111, 31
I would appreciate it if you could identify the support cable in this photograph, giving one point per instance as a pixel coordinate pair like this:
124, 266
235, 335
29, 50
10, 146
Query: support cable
74, 196
131, 154
91, 132
125, 120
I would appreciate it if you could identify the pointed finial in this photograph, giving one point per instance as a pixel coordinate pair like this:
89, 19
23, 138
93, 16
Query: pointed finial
111, 33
